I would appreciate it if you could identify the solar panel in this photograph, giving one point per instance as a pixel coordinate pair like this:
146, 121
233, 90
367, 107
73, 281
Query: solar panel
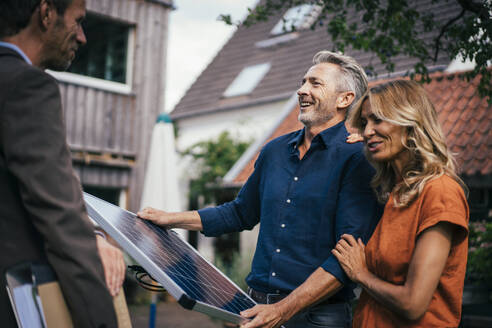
175, 264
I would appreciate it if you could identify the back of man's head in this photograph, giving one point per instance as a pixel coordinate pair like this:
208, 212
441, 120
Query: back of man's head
352, 76
16, 14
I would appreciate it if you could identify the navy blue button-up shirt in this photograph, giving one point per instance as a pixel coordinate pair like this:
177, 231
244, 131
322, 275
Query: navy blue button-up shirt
303, 207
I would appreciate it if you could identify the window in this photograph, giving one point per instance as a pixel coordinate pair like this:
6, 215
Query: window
296, 18
111, 195
247, 80
107, 51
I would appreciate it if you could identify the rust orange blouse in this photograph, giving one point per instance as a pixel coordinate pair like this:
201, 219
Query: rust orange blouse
390, 249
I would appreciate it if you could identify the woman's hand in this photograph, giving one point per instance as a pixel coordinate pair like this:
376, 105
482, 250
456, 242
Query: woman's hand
354, 137
351, 256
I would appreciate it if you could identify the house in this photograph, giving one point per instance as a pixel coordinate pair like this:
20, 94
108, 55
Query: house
113, 93
249, 87
246, 85
466, 119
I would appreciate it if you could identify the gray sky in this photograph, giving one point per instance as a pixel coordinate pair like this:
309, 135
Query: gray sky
195, 37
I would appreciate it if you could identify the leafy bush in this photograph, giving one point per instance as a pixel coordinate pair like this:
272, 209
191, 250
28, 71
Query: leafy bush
212, 159
479, 267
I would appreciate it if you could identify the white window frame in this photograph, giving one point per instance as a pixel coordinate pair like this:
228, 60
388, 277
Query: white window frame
101, 84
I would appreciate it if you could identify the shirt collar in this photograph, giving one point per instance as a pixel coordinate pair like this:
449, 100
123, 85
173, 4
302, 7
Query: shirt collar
327, 136
16, 49
296, 139
331, 135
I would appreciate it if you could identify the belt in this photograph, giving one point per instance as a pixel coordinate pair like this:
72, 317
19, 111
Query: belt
265, 298
271, 298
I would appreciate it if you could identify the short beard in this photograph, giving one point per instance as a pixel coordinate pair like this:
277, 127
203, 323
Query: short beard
56, 62
313, 119
57, 65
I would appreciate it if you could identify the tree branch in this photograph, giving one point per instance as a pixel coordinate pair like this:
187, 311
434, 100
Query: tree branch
475, 7
443, 30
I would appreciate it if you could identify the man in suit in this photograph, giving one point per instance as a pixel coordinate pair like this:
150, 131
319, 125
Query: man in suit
42, 213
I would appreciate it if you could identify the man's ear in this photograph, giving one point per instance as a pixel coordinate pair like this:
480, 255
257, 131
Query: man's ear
344, 99
47, 14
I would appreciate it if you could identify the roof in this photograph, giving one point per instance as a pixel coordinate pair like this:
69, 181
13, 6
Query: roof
466, 119
289, 61
165, 3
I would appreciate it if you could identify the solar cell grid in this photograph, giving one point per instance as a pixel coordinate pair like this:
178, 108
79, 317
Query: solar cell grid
174, 263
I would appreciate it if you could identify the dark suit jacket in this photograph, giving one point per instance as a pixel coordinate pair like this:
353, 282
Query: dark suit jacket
42, 214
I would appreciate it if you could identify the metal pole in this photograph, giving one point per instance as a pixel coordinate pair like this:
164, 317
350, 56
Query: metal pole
153, 310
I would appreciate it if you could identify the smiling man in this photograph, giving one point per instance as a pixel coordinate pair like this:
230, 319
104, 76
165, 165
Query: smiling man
42, 214
308, 188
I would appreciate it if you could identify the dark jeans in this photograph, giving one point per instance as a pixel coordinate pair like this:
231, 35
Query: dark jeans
337, 315
325, 314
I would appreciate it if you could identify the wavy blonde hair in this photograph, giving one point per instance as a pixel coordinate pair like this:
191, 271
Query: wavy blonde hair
405, 103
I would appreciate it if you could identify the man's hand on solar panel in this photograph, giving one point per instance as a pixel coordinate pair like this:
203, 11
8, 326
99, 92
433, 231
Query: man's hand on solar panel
267, 315
189, 220
113, 264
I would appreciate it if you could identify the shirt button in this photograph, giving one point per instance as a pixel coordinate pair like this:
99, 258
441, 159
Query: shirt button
282, 225
278, 250
296, 178
273, 274
288, 201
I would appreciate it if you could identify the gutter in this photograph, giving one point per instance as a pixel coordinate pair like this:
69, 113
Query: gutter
166, 3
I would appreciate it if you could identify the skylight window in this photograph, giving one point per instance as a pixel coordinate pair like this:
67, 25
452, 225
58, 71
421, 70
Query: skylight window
247, 80
296, 18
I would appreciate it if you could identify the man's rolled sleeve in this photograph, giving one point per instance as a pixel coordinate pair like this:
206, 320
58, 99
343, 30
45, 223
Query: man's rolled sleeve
243, 213
213, 222
357, 211
332, 266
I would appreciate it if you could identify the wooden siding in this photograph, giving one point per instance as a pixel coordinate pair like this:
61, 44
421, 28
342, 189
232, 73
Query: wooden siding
99, 121
103, 176
104, 122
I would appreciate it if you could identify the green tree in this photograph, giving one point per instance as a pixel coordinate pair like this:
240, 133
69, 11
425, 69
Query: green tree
389, 28
211, 161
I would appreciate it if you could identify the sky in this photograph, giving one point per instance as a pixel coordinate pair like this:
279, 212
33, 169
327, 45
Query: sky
195, 37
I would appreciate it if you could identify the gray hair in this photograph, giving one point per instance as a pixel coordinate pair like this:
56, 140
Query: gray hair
352, 76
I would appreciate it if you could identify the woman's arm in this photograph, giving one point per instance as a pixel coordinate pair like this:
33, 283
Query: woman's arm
411, 299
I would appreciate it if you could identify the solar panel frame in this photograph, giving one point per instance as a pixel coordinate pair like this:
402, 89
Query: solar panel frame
158, 273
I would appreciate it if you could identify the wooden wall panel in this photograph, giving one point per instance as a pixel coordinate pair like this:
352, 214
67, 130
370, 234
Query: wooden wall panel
100, 176
106, 122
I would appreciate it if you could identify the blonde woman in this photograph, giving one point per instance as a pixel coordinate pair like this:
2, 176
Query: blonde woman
413, 267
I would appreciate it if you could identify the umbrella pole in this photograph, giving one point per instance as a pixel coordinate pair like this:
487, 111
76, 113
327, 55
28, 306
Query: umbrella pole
153, 310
